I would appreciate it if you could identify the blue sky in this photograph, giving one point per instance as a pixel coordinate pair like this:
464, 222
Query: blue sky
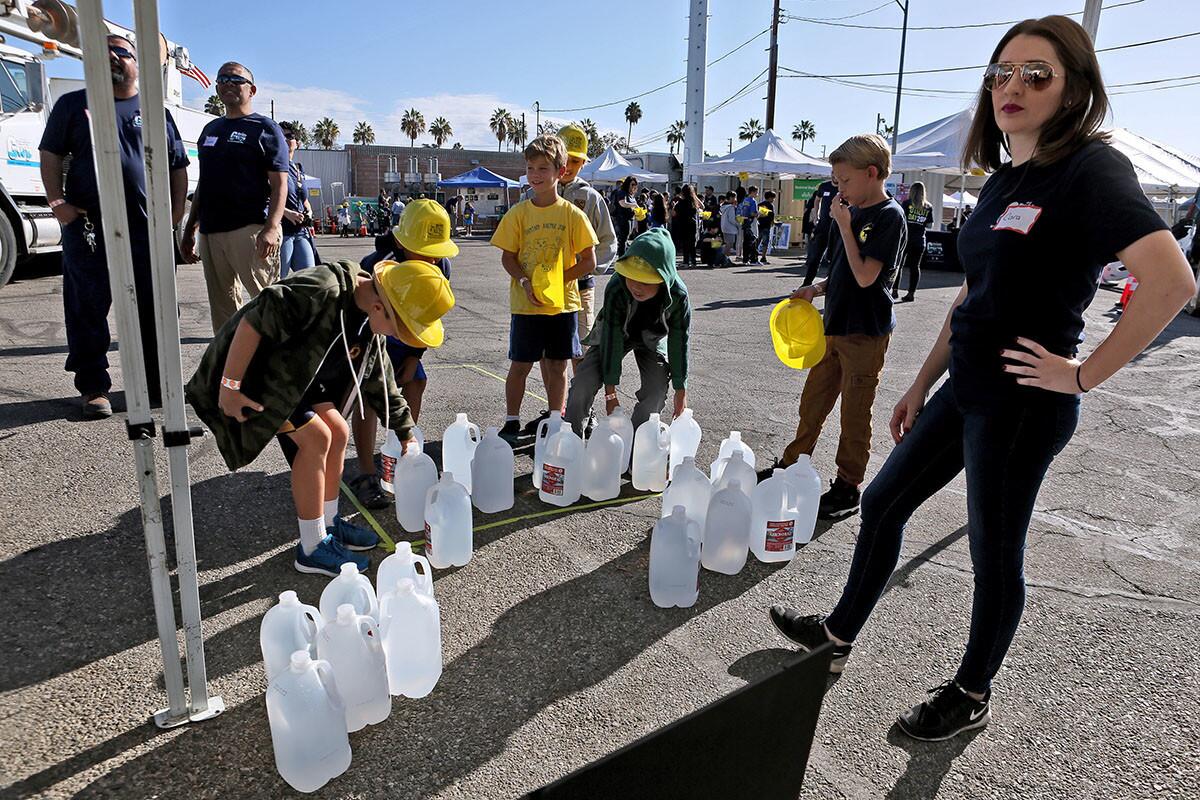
370, 61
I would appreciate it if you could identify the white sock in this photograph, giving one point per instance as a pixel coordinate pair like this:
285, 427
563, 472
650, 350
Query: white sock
312, 531
511, 418
331, 510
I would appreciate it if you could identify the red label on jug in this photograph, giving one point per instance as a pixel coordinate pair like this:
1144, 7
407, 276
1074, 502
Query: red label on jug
779, 536
428, 541
553, 479
387, 466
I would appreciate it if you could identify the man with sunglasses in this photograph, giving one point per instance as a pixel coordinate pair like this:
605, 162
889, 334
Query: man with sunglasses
239, 200
76, 205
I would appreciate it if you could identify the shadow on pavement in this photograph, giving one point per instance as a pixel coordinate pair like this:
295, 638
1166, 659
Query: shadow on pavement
928, 763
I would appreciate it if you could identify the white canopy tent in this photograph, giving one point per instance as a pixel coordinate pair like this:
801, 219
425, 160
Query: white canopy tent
933, 152
611, 167
1161, 169
768, 156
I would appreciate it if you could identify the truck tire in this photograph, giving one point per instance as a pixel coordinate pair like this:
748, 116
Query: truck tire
8, 250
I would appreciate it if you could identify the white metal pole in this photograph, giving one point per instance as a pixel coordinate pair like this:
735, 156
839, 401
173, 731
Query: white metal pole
1091, 17
176, 434
139, 424
693, 136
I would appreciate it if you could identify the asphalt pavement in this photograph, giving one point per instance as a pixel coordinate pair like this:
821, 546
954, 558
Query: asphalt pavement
554, 654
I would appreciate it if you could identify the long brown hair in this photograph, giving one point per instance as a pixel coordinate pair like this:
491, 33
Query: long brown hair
1077, 122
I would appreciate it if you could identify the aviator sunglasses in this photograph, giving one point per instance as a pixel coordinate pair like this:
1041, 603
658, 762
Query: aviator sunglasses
1036, 75
121, 52
236, 80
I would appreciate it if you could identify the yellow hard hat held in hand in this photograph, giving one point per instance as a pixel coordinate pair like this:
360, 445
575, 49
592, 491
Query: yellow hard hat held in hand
798, 333
419, 296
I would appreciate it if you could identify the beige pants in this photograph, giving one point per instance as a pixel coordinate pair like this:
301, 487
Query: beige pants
586, 317
231, 263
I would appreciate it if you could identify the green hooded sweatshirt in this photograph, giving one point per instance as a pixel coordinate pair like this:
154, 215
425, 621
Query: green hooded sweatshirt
301, 322
616, 332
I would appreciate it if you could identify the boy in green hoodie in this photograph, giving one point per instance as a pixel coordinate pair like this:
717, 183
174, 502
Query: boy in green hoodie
646, 310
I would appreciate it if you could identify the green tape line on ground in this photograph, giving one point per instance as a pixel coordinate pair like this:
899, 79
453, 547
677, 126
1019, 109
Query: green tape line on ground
388, 544
553, 512
482, 371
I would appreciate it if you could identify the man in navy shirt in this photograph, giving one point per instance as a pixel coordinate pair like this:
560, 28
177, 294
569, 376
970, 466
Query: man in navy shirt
822, 200
239, 200
86, 293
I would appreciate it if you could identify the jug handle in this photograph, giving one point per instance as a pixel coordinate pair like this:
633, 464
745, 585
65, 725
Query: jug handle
376, 641
325, 676
313, 627
366, 596
473, 432
426, 573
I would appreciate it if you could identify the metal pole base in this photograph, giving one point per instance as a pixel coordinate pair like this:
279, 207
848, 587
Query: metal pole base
164, 720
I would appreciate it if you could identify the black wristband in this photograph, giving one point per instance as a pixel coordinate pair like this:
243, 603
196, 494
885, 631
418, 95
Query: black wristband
1078, 381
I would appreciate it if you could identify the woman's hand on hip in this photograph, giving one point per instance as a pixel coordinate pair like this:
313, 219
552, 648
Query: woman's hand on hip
1038, 367
904, 416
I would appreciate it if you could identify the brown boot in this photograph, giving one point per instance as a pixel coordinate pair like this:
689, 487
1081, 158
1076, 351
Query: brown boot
96, 406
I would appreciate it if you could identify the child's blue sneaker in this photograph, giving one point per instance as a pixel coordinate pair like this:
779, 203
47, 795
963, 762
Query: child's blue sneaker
351, 536
327, 559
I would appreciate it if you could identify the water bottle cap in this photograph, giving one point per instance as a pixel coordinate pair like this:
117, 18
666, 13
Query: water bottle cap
493, 431
448, 476
777, 473
689, 460
678, 512
556, 414
460, 418
738, 455
404, 548
346, 614
300, 660
288, 598
348, 568
735, 436
655, 417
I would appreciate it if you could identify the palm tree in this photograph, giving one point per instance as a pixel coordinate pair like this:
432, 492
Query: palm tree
517, 133
499, 123
413, 125
440, 130
215, 106
804, 132
595, 144
326, 132
676, 134
751, 129
633, 115
364, 133
301, 132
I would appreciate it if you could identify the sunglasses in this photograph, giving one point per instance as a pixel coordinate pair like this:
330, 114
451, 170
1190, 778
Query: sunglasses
121, 52
1034, 74
236, 80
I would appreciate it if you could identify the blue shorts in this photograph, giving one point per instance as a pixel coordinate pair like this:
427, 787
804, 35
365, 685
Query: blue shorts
533, 337
398, 351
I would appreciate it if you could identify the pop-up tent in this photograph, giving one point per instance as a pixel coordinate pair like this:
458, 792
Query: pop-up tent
611, 167
478, 178
767, 156
935, 147
1161, 169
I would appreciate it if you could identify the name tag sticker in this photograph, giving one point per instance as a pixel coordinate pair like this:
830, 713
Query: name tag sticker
1018, 217
209, 141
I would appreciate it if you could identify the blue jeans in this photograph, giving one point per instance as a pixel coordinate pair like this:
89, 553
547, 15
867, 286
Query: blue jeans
1006, 452
295, 252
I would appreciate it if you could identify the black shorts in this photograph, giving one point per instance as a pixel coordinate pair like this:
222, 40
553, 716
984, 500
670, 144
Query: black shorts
316, 394
533, 337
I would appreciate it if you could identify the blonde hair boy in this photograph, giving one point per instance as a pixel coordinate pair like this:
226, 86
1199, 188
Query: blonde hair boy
863, 151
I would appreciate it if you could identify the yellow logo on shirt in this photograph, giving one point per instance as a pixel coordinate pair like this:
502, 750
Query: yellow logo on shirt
862, 235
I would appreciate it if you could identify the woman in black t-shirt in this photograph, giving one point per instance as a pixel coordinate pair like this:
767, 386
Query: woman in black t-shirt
623, 203
1046, 222
919, 216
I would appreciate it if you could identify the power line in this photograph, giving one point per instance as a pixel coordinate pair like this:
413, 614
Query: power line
848, 16
745, 91
833, 21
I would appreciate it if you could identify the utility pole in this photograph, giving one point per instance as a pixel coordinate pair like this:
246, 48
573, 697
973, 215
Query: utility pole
537, 110
731, 144
880, 124
697, 44
1091, 18
900, 77
272, 109
524, 130
773, 68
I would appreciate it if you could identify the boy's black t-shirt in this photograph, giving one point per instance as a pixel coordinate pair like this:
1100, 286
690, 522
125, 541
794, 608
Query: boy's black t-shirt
647, 316
1032, 252
849, 308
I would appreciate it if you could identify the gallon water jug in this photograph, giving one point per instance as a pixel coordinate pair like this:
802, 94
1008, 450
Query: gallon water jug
774, 518
412, 640
675, 561
492, 474
727, 531
622, 426
448, 532
651, 452
308, 724
808, 485
352, 646
349, 587
286, 628
415, 473
391, 453
729, 446
562, 468
403, 564
685, 438
735, 469
458, 449
691, 489
602, 465
545, 429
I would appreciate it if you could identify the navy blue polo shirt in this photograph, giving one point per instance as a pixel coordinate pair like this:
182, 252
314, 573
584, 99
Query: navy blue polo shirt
67, 134
235, 157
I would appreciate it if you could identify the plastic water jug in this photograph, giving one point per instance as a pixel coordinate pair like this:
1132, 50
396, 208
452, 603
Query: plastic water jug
286, 628
675, 561
308, 724
651, 452
412, 639
808, 484
620, 424
774, 518
352, 646
691, 489
391, 453
492, 474
415, 473
727, 531
562, 468
349, 587
545, 429
685, 438
458, 449
403, 564
602, 465
730, 445
448, 532
735, 468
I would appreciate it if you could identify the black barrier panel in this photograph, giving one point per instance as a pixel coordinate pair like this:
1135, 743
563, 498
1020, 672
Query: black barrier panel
753, 743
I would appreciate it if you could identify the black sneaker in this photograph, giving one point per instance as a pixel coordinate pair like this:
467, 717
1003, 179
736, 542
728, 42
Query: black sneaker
947, 712
895, 294
840, 501
767, 472
511, 431
908, 298
531, 427
808, 633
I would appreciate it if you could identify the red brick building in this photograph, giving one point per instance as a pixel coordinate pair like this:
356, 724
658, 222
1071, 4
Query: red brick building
369, 165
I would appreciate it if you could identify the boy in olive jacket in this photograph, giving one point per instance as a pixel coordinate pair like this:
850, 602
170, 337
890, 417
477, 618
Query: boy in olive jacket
289, 359
646, 310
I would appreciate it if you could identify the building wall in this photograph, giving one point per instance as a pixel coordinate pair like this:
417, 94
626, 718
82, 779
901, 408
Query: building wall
368, 163
330, 166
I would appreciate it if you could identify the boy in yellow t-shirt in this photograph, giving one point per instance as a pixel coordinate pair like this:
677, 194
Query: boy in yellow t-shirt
547, 244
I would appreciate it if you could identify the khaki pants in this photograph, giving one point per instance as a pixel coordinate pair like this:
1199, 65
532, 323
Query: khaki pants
850, 368
231, 263
587, 314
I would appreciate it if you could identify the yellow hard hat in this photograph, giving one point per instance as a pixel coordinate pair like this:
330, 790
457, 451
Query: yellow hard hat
638, 269
420, 296
575, 140
798, 333
424, 229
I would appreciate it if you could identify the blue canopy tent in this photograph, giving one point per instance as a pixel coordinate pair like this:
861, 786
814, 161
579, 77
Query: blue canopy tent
482, 178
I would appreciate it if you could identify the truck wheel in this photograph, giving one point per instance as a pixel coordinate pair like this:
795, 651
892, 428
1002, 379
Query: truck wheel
8, 250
